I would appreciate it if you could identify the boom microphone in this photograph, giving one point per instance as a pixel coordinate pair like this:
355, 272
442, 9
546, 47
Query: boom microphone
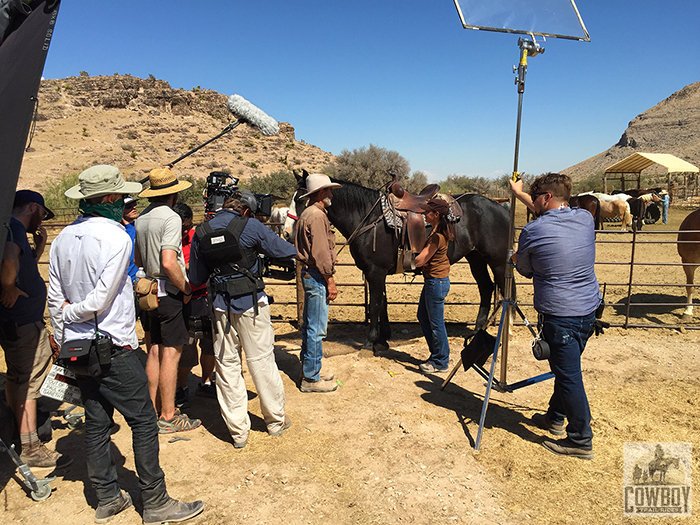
247, 112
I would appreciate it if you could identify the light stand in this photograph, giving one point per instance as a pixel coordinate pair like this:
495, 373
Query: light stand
528, 48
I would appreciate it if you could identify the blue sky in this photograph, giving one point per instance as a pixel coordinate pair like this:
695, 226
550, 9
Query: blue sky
401, 74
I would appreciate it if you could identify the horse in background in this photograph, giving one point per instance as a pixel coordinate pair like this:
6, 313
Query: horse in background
590, 203
481, 236
689, 249
278, 218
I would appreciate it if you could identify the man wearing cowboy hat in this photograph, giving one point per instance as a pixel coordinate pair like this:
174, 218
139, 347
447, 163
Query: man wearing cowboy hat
315, 243
159, 252
23, 335
90, 289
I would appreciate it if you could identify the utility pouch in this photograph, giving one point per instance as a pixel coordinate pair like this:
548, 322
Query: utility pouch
147, 291
80, 356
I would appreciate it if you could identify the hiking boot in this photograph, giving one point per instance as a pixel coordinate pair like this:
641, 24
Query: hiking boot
172, 511
542, 421
287, 423
564, 447
182, 397
38, 455
179, 423
204, 390
429, 368
106, 512
318, 386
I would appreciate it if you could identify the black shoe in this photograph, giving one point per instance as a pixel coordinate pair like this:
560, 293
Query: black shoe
204, 390
173, 510
106, 512
182, 397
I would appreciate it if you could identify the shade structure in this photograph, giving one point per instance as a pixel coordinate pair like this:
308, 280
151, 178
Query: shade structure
637, 162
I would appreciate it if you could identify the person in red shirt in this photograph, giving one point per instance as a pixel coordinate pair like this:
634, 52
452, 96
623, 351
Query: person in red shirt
198, 308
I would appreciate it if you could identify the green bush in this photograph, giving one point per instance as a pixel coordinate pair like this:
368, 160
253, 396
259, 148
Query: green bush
54, 194
281, 184
369, 167
193, 194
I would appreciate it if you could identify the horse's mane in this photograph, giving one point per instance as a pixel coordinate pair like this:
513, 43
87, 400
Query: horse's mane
360, 196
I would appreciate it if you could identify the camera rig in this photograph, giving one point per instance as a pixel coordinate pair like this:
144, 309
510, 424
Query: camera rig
221, 186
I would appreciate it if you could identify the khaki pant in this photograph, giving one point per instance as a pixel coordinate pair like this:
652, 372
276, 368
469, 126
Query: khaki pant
255, 336
28, 361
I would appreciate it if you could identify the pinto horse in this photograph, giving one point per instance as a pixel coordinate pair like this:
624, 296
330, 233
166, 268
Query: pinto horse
481, 236
689, 250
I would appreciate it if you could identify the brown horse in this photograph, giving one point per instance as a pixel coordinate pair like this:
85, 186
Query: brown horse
610, 209
689, 250
589, 203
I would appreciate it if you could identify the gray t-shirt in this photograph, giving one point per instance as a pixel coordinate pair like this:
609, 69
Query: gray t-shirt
159, 228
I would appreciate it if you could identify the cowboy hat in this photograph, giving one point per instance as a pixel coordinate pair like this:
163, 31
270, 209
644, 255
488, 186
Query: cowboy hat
163, 182
101, 180
317, 182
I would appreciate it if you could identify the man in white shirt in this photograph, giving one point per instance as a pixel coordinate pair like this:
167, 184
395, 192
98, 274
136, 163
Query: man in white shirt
90, 289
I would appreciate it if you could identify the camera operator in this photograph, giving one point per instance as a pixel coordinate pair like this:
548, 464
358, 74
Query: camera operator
241, 311
558, 252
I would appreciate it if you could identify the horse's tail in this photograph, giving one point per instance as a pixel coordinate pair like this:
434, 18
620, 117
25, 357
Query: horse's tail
597, 215
628, 215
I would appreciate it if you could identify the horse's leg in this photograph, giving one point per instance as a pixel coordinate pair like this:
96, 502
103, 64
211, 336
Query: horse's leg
384, 326
377, 297
689, 289
483, 280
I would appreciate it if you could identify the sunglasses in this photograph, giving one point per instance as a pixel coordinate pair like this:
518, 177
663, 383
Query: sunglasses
534, 196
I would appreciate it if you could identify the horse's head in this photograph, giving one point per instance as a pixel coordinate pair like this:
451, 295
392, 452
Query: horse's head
296, 207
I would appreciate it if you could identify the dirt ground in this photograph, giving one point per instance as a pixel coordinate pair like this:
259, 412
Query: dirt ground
389, 446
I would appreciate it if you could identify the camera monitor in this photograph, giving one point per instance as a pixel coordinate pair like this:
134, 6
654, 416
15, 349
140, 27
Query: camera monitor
548, 18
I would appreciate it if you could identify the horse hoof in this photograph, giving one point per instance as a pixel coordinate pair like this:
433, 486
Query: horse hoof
380, 347
687, 318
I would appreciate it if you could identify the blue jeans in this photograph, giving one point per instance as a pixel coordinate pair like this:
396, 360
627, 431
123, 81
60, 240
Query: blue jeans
315, 323
567, 337
124, 387
431, 316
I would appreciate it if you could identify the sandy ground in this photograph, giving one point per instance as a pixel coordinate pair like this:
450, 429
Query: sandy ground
389, 446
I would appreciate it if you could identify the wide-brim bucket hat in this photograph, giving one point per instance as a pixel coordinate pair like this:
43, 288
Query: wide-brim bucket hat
317, 182
101, 180
163, 182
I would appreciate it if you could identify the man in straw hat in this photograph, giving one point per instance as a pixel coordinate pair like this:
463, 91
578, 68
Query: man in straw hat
23, 335
315, 243
159, 252
88, 286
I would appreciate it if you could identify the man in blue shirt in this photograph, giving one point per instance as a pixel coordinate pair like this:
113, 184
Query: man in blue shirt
558, 252
130, 215
243, 323
23, 335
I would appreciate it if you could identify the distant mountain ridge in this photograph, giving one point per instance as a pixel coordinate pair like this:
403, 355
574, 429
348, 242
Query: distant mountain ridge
139, 124
672, 126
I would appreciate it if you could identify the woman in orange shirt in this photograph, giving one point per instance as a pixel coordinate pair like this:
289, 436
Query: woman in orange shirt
436, 274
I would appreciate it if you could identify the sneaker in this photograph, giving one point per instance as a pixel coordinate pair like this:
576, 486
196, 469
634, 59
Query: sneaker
287, 423
179, 423
542, 421
564, 447
106, 512
318, 386
240, 444
428, 368
39, 456
182, 397
204, 390
173, 510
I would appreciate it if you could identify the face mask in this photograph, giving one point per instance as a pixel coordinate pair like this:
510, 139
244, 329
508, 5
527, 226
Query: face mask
109, 210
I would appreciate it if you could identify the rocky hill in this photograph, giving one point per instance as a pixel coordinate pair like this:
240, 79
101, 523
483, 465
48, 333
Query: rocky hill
672, 126
139, 124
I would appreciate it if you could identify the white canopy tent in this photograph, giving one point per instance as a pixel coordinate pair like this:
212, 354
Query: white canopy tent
634, 164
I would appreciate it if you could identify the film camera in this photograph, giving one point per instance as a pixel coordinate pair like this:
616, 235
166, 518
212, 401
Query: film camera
221, 186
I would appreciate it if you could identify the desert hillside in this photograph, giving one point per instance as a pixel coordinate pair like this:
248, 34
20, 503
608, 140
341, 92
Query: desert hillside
672, 126
139, 124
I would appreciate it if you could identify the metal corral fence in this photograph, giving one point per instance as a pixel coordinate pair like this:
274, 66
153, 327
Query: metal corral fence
637, 270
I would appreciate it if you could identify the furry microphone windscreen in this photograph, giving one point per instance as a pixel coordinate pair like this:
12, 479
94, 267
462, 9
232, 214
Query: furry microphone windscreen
247, 112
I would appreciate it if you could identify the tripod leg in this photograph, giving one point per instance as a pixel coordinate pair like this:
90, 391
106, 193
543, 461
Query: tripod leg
451, 374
